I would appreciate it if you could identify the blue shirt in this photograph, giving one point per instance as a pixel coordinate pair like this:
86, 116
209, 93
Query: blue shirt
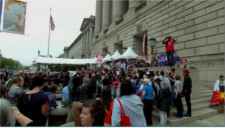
134, 89
122, 65
65, 93
148, 92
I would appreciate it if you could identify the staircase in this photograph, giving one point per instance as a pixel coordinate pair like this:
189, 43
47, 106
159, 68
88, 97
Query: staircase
201, 109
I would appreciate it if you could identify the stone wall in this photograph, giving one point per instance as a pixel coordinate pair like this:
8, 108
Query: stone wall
197, 26
75, 50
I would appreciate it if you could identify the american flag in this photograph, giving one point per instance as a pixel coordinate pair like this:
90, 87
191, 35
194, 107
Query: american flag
52, 24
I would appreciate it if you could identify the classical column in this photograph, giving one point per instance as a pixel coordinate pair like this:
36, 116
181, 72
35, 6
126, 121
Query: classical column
119, 8
98, 17
90, 36
106, 14
83, 44
87, 42
134, 3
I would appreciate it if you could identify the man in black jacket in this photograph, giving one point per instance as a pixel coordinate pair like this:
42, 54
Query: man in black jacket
187, 85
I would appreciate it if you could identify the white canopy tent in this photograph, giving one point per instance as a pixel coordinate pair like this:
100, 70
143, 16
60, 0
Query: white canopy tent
116, 55
129, 54
107, 58
65, 61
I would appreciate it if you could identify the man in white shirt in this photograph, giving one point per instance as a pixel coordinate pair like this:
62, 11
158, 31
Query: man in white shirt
219, 85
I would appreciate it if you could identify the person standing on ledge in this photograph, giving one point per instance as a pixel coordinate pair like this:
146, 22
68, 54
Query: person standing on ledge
187, 85
169, 41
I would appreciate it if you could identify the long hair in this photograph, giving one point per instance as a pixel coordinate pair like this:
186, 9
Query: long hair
14, 81
92, 85
76, 82
97, 111
106, 98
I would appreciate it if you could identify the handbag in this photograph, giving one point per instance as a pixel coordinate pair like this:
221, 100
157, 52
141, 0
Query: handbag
107, 119
125, 120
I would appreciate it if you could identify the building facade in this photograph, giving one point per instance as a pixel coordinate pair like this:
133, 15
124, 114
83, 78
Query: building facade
196, 25
81, 46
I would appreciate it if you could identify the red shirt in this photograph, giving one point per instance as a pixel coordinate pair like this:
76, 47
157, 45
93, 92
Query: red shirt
117, 82
169, 46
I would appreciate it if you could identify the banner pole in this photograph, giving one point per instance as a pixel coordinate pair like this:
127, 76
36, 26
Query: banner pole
49, 33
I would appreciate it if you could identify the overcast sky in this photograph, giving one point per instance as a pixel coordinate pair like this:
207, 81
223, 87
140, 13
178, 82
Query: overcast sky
67, 15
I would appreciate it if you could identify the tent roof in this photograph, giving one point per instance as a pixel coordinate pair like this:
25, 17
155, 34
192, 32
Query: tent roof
116, 55
65, 61
129, 54
107, 58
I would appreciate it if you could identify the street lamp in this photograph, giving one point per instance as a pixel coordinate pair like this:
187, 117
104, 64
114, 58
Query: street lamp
39, 53
151, 43
124, 49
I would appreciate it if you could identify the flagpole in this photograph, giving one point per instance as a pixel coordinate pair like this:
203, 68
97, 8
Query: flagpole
49, 33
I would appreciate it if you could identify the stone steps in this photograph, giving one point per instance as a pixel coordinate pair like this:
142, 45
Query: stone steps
205, 95
204, 88
194, 108
196, 115
194, 101
206, 91
201, 108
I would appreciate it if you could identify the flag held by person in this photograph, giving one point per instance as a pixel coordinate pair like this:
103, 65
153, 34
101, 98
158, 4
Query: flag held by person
217, 97
144, 46
52, 23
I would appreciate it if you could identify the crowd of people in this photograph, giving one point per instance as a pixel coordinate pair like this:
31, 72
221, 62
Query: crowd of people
112, 94
102, 96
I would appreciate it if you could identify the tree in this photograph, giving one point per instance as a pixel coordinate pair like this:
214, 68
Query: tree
8, 63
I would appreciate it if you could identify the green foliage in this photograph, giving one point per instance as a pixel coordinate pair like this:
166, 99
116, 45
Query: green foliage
26, 67
8, 63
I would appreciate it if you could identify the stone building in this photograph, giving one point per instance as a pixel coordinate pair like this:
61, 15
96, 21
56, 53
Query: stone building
196, 25
81, 46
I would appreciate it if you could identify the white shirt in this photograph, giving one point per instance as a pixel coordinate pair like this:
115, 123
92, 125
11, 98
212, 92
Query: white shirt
216, 86
177, 82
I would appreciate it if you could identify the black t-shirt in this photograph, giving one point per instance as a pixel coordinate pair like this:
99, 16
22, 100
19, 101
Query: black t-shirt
187, 84
32, 107
171, 82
